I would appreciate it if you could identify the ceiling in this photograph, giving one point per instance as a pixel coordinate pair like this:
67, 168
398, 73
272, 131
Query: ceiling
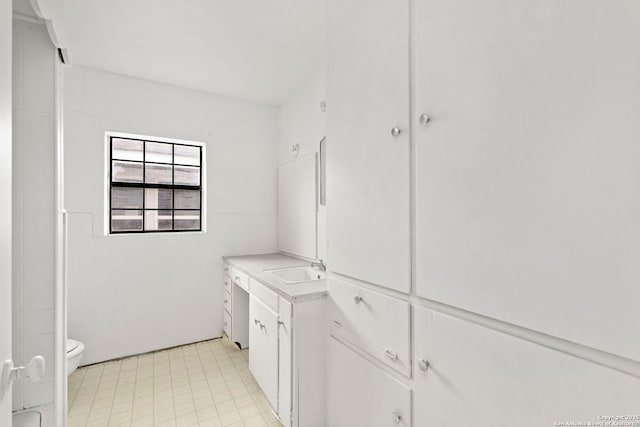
251, 49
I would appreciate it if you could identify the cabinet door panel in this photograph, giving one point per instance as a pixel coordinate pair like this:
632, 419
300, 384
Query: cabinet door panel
360, 394
527, 176
227, 303
480, 377
226, 322
263, 354
285, 361
367, 168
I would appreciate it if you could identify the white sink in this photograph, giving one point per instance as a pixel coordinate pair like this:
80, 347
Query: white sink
297, 274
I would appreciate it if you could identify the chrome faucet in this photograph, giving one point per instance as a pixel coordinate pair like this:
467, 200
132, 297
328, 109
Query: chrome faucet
319, 266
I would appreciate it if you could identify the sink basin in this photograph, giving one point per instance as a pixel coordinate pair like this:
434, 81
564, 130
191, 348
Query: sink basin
297, 274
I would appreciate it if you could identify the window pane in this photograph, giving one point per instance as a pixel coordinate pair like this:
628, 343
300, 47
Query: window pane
187, 220
158, 198
187, 199
158, 220
126, 220
126, 198
126, 171
187, 155
126, 149
158, 152
158, 174
185, 175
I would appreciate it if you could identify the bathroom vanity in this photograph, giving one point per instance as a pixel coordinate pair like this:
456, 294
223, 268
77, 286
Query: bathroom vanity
275, 304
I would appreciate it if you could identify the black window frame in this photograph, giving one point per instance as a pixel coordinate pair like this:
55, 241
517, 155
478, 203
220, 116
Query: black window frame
144, 185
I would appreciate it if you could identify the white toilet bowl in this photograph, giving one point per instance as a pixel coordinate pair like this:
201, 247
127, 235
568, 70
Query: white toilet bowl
74, 355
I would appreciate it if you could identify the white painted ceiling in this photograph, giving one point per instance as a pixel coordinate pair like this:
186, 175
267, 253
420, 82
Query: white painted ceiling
250, 49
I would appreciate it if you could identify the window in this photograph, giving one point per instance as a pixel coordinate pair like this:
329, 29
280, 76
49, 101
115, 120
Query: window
154, 186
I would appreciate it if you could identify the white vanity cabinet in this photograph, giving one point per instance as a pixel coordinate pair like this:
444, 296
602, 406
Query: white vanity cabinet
286, 336
368, 155
286, 354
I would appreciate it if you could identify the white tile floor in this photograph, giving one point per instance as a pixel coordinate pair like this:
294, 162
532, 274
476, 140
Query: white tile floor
204, 384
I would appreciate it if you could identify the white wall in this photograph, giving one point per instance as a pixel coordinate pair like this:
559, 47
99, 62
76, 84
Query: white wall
33, 207
302, 122
129, 294
5, 196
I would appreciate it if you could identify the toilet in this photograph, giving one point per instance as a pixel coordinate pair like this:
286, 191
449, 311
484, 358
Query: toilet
74, 355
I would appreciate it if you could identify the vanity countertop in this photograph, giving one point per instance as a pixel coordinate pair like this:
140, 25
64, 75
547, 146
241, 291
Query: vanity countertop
254, 266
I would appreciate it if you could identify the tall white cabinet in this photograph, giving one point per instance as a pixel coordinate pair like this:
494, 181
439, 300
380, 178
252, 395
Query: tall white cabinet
368, 150
499, 140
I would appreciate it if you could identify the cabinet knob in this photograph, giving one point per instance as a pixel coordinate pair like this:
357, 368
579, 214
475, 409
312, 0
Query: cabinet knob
396, 417
424, 119
358, 299
423, 365
395, 131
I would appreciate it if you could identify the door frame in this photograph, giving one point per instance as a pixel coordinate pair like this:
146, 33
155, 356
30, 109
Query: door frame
6, 143
60, 283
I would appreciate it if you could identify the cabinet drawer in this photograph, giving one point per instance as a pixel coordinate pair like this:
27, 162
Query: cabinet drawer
227, 269
240, 278
264, 294
377, 323
361, 394
226, 325
227, 284
227, 303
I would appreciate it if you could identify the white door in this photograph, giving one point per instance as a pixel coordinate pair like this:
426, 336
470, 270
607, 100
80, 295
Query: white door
368, 168
5, 200
263, 352
527, 174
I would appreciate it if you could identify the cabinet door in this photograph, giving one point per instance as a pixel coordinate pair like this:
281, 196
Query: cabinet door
285, 368
527, 174
263, 355
367, 168
360, 394
480, 377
